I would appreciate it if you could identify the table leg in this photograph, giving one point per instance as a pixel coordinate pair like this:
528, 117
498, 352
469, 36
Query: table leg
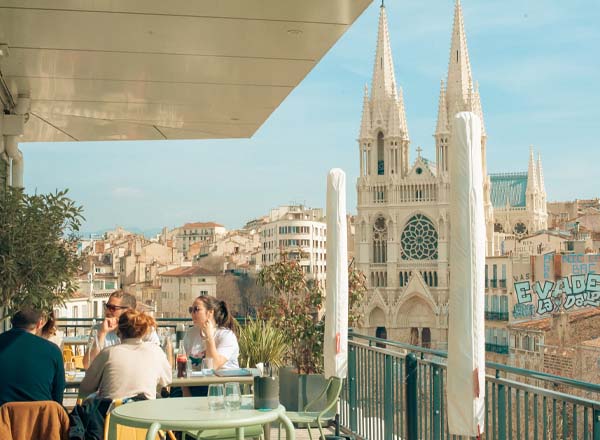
152, 431
267, 431
239, 433
290, 433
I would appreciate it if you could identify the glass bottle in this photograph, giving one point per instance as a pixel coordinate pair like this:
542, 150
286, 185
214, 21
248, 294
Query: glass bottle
181, 361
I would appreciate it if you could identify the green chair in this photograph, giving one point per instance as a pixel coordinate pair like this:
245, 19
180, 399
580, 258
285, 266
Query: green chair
332, 393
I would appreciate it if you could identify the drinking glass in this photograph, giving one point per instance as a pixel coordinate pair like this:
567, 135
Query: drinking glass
233, 399
207, 366
70, 370
215, 396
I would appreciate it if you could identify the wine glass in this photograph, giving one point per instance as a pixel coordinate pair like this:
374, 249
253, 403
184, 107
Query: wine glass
215, 396
233, 400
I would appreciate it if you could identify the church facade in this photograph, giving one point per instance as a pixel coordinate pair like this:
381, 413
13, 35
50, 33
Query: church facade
402, 224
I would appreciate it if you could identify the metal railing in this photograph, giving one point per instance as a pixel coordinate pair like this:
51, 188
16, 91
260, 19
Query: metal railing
399, 392
496, 316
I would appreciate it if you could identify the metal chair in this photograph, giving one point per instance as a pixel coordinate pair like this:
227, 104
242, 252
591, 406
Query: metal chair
332, 391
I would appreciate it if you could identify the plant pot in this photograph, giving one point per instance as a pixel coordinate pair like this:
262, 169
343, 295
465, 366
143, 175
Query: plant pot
297, 390
266, 392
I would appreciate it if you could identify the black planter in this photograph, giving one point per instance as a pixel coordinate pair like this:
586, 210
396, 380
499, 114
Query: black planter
266, 392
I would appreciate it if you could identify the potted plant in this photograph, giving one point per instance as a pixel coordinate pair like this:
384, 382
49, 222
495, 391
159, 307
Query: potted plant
38, 249
261, 341
294, 306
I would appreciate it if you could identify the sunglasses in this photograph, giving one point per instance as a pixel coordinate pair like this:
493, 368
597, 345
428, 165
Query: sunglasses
194, 309
114, 308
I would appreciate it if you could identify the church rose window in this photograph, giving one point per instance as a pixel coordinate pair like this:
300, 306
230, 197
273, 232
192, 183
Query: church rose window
419, 239
520, 229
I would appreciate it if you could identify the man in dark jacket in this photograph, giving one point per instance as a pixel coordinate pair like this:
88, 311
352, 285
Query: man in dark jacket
32, 367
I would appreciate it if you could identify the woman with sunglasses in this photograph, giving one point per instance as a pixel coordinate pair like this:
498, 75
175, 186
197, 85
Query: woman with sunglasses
211, 336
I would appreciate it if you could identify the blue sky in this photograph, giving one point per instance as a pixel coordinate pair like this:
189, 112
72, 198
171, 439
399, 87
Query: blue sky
537, 63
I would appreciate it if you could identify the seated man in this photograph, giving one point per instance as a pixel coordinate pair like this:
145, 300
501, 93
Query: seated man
32, 367
105, 334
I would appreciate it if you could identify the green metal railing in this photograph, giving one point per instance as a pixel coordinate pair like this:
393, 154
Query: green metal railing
496, 316
399, 392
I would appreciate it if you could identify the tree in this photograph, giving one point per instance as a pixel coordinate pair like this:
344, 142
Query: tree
294, 306
38, 249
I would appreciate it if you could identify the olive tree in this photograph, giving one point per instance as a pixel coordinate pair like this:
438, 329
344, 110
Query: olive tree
38, 249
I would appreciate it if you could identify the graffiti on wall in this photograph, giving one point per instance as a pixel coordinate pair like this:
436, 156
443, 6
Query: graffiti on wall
579, 289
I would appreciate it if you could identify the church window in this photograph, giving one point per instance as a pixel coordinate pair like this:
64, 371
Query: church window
380, 241
419, 170
498, 227
520, 229
419, 239
380, 160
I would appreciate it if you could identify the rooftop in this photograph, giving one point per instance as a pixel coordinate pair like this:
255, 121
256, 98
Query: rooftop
508, 188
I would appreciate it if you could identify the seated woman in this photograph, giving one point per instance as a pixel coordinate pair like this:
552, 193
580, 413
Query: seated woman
132, 368
211, 336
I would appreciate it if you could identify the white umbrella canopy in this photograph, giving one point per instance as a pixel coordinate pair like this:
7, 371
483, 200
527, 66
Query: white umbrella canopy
335, 349
466, 332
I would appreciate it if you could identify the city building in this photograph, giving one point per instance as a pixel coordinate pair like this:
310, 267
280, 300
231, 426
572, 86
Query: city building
402, 224
199, 232
298, 233
180, 286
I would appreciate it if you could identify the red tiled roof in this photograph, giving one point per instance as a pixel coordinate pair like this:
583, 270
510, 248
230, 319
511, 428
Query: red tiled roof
186, 272
202, 225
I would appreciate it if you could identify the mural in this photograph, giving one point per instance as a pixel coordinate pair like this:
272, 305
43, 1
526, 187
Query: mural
567, 281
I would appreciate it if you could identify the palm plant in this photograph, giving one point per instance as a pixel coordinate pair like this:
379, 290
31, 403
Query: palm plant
261, 341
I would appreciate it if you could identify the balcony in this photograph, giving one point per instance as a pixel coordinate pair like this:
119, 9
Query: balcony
496, 348
493, 284
397, 391
496, 316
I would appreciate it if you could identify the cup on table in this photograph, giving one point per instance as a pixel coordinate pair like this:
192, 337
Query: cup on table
233, 398
70, 370
216, 399
207, 366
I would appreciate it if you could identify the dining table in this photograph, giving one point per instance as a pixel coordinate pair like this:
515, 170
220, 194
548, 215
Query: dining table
193, 414
192, 380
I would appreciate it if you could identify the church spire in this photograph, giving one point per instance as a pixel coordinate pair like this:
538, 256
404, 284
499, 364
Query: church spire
384, 80
442, 120
365, 124
532, 175
540, 173
459, 82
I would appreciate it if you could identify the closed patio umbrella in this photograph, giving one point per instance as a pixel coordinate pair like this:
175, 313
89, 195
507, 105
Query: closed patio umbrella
466, 335
335, 347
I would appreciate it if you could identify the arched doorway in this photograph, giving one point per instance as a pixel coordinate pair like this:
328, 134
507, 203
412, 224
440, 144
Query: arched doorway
381, 333
414, 336
426, 335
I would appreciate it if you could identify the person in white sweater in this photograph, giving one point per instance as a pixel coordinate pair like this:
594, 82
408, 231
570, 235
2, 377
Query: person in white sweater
129, 369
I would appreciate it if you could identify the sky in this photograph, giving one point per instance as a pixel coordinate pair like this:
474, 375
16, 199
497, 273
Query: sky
538, 67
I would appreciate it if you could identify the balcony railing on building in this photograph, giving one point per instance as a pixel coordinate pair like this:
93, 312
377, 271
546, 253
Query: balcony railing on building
496, 316
496, 348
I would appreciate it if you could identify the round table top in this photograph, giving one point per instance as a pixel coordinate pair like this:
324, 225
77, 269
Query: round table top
192, 413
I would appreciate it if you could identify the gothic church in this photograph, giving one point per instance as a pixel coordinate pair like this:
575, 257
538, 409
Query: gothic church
402, 225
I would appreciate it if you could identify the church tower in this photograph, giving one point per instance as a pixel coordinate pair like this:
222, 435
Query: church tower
457, 95
403, 229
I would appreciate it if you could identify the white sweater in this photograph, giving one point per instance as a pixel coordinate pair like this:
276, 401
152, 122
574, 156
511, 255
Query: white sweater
126, 370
